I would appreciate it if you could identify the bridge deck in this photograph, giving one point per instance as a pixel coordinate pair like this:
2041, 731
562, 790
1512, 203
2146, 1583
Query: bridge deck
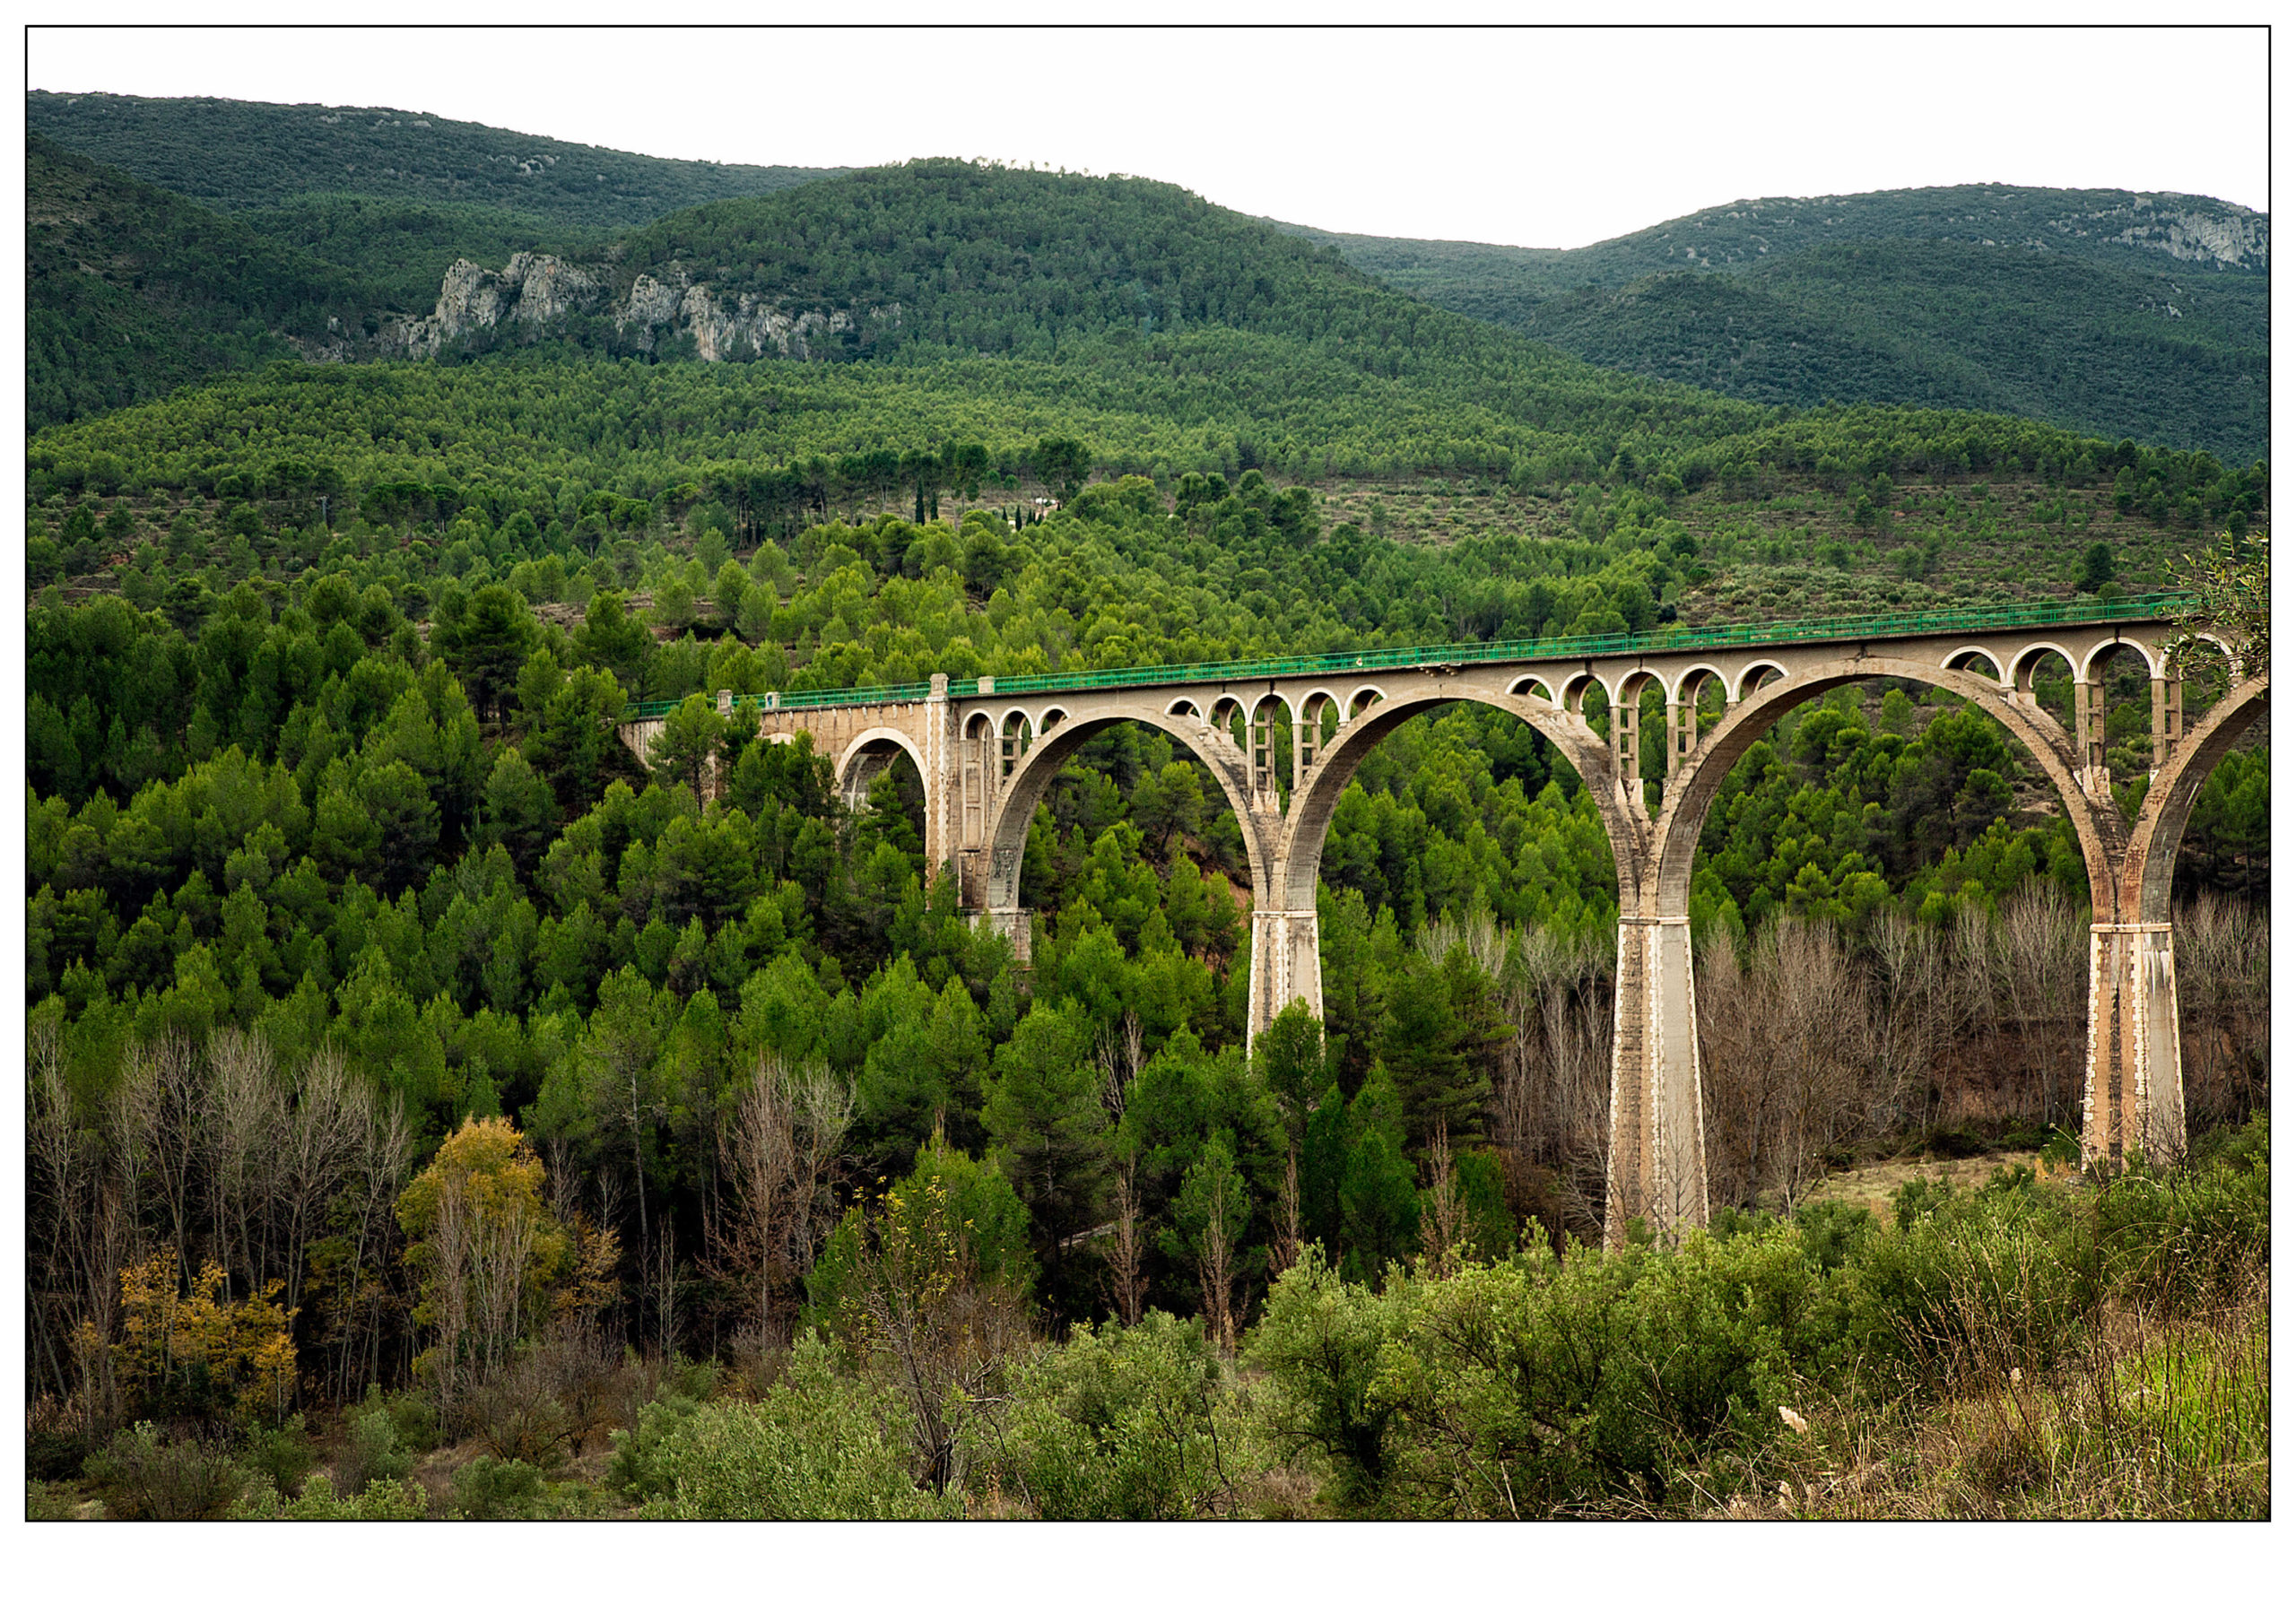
1671, 640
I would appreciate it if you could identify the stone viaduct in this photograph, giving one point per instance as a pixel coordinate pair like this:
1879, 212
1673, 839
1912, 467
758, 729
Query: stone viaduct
989, 751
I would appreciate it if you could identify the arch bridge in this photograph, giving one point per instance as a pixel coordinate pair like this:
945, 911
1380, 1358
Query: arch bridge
987, 751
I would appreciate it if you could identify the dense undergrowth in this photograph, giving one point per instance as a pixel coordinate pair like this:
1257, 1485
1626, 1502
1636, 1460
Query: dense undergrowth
2027, 1348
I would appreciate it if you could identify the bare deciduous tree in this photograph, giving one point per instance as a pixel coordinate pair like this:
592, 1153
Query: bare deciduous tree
778, 1151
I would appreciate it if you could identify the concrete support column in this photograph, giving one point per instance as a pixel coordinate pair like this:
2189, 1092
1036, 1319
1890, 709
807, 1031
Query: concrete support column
944, 817
1626, 746
1287, 964
2089, 731
1260, 741
2168, 718
2135, 1097
1657, 1151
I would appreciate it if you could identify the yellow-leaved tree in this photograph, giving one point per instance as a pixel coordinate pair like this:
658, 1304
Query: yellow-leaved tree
492, 1262
195, 1352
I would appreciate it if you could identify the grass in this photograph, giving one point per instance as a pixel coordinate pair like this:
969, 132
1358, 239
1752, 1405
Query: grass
2154, 1419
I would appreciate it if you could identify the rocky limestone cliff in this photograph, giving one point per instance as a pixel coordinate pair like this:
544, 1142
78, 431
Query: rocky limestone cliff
532, 288
2229, 236
743, 329
541, 288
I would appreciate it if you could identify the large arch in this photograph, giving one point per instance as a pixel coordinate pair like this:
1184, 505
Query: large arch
2160, 828
1690, 794
1032, 777
1314, 801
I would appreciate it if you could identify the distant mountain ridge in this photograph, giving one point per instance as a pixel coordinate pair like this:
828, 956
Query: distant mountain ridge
376, 234
2138, 315
244, 155
2116, 226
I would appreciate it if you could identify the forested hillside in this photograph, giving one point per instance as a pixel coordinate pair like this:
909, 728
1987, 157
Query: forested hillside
132, 293
434, 1109
241, 155
2103, 311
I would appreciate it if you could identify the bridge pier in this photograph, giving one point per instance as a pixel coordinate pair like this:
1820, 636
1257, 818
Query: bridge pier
2135, 1097
1287, 964
1658, 1136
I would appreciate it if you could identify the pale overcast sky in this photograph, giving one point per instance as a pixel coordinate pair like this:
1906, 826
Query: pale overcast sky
1552, 138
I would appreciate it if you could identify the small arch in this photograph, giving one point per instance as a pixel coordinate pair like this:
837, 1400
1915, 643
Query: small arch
1693, 682
1184, 707
1572, 695
1751, 679
1225, 709
1314, 705
980, 724
1532, 687
2152, 660
2029, 659
1362, 698
1630, 688
1960, 658
1053, 717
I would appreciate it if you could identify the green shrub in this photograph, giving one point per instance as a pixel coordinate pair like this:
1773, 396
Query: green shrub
139, 1476
382, 1500
373, 1449
498, 1489
282, 1456
818, 1446
1318, 1339
635, 1470
1131, 1425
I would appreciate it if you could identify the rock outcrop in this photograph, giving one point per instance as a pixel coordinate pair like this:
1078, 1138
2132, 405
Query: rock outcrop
746, 328
2227, 236
532, 288
540, 288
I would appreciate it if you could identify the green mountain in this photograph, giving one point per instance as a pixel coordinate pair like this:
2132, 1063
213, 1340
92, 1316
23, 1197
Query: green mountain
2145, 316
241, 155
132, 292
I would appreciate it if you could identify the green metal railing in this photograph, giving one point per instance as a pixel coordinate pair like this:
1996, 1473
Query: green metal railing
1669, 640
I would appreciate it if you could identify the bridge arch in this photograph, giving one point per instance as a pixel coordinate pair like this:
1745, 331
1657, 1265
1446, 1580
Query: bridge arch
1691, 681
1317, 798
1033, 776
1960, 658
1750, 679
2029, 659
2156, 661
1683, 816
869, 752
2160, 828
